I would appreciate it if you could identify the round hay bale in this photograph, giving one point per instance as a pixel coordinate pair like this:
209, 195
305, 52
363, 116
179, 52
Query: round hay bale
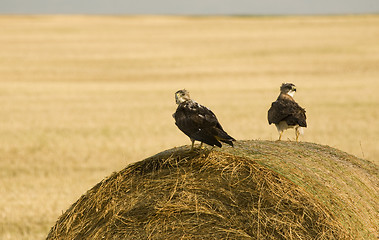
257, 190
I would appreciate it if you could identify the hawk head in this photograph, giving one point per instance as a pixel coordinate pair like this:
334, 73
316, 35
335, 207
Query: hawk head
182, 96
288, 88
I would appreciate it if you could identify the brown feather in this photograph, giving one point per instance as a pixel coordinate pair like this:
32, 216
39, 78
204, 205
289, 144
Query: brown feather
286, 109
200, 123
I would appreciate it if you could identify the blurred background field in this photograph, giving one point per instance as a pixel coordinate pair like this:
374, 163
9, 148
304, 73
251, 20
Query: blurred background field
84, 96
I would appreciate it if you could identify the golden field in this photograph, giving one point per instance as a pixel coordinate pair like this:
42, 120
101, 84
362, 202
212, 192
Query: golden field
84, 96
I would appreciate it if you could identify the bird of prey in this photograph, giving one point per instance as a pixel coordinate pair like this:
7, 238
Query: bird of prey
285, 113
198, 122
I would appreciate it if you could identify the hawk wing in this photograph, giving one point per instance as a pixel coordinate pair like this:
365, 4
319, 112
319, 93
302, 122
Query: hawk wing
286, 110
201, 124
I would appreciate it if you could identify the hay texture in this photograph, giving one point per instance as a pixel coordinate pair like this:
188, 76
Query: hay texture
257, 190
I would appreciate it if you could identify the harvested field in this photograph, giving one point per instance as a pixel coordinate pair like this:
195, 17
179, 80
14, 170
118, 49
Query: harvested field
257, 190
85, 96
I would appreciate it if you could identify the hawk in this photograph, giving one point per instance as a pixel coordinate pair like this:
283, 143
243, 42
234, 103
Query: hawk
198, 122
285, 113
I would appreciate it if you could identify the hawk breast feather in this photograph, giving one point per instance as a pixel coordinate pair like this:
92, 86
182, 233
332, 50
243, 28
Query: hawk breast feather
200, 123
287, 110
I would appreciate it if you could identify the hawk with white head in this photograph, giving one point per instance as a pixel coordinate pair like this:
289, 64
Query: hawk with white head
198, 122
285, 113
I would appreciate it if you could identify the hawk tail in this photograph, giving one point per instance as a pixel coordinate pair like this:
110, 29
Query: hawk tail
227, 142
224, 137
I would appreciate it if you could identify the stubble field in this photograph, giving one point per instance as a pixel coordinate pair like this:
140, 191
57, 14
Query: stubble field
84, 96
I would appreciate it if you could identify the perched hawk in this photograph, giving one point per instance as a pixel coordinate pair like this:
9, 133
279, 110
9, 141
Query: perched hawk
286, 113
198, 122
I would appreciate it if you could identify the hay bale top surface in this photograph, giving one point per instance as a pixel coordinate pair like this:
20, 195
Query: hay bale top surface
259, 189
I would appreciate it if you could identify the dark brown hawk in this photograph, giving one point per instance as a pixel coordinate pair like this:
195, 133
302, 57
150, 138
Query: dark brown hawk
198, 122
285, 113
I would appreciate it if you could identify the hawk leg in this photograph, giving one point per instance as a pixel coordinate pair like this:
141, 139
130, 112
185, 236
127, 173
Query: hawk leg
297, 134
280, 135
193, 142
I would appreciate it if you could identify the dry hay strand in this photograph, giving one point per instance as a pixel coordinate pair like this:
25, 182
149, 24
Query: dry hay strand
208, 194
